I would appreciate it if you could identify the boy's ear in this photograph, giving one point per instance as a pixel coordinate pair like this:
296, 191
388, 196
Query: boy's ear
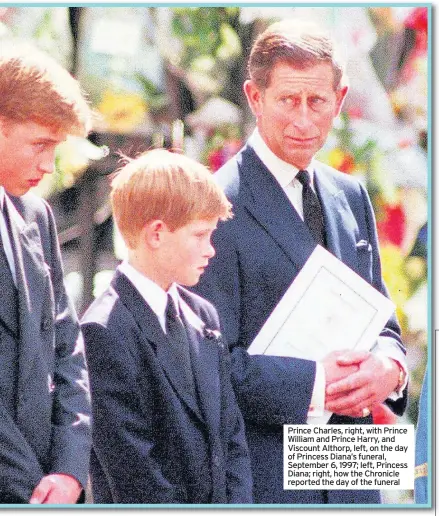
154, 232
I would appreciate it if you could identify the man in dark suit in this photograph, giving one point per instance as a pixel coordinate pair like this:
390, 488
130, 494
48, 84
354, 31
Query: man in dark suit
44, 400
295, 90
166, 426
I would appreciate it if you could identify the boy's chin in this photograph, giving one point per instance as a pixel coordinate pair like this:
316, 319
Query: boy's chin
190, 282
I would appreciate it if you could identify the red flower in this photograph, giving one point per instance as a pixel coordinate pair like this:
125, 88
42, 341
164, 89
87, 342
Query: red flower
215, 160
418, 22
348, 164
217, 157
417, 19
391, 225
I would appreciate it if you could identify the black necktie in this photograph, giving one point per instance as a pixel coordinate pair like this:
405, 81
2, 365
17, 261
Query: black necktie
312, 211
4, 264
179, 346
8, 289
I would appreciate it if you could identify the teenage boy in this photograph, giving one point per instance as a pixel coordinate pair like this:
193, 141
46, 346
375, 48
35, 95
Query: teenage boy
45, 432
167, 428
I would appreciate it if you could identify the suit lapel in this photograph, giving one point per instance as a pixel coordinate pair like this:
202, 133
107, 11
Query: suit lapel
150, 328
205, 363
33, 280
266, 201
9, 304
340, 224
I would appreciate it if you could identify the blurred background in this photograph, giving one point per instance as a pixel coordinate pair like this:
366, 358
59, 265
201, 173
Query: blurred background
172, 76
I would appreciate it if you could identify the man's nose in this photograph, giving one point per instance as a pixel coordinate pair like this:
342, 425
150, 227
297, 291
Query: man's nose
302, 117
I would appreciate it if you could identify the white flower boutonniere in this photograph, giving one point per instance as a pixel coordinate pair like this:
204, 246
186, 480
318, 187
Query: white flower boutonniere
213, 335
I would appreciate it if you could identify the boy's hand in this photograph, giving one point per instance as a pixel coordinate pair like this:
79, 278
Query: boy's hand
56, 488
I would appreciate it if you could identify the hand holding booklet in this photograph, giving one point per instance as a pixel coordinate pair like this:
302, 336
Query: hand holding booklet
327, 307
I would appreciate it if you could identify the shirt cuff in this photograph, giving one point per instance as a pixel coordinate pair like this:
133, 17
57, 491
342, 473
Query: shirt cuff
387, 347
317, 405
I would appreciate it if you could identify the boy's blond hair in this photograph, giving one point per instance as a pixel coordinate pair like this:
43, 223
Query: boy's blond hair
35, 88
161, 185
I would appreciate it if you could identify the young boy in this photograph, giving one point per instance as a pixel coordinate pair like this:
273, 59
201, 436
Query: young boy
166, 425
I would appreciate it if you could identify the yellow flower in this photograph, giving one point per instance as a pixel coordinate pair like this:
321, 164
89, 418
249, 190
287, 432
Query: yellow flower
416, 268
122, 112
336, 157
393, 269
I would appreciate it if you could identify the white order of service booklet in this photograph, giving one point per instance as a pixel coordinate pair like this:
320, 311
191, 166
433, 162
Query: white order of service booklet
327, 307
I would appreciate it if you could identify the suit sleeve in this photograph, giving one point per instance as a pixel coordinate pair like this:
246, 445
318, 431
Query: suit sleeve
20, 470
270, 390
391, 334
238, 474
120, 419
71, 438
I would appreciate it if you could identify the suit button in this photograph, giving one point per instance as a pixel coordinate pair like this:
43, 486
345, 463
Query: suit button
216, 460
46, 324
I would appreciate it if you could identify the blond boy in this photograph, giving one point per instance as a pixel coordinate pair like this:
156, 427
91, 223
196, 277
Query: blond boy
167, 428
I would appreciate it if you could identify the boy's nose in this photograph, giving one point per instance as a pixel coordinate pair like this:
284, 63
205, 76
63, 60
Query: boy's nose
47, 163
210, 251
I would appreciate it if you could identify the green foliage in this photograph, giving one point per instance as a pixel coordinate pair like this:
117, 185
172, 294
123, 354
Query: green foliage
155, 99
363, 153
206, 32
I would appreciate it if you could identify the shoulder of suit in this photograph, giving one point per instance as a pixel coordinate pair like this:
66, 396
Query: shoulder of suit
200, 306
343, 180
228, 176
102, 308
32, 208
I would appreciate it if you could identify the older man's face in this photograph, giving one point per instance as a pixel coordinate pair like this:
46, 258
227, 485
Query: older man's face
296, 111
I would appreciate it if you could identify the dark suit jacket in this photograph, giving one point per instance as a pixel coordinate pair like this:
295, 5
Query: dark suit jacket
258, 254
422, 465
50, 429
148, 435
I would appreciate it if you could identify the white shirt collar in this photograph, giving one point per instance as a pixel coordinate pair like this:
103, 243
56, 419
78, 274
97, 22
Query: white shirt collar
2, 197
283, 172
152, 293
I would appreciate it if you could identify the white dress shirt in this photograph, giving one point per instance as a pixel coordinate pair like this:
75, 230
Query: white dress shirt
157, 298
285, 174
7, 246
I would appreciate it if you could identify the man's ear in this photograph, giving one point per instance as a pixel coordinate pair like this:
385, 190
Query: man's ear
254, 97
341, 95
154, 233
